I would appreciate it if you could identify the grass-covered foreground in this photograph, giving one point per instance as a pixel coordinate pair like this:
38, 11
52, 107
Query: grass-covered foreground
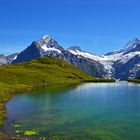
41, 72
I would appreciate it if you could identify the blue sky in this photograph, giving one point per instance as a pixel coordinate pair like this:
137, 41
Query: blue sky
97, 26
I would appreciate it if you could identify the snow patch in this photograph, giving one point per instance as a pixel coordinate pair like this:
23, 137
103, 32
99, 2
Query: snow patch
15, 57
45, 48
85, 54
46, 38
129, 56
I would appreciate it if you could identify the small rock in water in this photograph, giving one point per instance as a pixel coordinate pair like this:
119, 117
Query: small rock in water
42, 138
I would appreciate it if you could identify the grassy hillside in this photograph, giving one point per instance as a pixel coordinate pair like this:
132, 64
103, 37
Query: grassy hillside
41, 72
134, 80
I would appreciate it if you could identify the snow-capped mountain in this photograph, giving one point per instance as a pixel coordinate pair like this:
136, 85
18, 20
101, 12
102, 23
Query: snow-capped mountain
127, 64
121, 64
7, 59
42, 47
2, 59
49, 47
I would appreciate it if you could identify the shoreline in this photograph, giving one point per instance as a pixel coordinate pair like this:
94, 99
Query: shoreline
17, 91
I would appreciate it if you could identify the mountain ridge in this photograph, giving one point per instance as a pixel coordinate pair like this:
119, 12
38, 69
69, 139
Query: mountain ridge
105, 66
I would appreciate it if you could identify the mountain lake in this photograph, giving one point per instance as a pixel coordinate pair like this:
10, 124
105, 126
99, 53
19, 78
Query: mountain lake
90, 111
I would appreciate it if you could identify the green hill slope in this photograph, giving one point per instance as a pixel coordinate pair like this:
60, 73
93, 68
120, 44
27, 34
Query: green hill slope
41, 72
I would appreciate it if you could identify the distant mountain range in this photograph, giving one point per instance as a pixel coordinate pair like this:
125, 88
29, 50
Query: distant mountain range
122, 64
7, 59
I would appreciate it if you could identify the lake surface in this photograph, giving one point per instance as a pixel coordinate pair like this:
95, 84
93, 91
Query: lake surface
90, 111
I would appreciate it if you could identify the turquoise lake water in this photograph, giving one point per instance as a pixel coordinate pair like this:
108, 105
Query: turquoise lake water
90, 111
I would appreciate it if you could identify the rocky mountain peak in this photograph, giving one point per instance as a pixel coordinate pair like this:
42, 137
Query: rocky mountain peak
46, 43
132, 44
75, 48
46, 38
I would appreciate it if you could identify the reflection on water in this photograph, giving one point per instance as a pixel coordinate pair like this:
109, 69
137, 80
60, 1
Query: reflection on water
102, 111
